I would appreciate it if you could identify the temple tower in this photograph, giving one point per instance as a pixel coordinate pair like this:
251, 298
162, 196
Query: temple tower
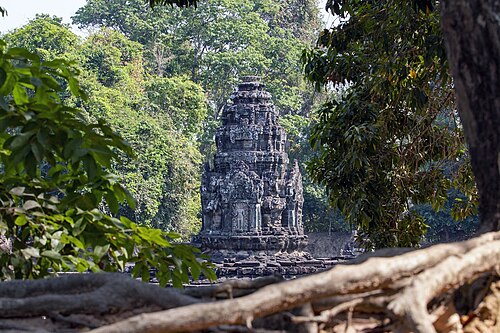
251, 197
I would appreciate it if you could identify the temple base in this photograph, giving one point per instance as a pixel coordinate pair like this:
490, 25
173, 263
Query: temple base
251, 242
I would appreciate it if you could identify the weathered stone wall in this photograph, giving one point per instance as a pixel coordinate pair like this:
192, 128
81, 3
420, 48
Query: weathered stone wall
325, 245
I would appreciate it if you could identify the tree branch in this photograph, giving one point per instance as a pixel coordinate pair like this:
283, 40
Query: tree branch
411, 303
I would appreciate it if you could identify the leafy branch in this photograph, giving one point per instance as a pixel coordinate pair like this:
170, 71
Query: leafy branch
54, 177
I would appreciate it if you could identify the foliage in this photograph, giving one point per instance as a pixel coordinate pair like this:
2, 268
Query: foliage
55, 175
177, 102
161, 118
214, 45
442, 228
393, 138
317, 215
180, 3
298, 17
218, 41
112, 58
46, 36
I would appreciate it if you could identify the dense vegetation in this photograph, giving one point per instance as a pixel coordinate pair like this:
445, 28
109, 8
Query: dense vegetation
218, 42
161, 118
56, 182
160, 80
393, 139
160, 77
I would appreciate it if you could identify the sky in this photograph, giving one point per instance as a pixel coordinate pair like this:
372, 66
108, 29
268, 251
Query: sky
21, 11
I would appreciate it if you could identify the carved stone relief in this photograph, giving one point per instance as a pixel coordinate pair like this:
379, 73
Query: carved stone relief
249, 193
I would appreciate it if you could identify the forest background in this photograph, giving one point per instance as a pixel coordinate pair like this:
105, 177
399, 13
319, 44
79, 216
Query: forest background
160, 78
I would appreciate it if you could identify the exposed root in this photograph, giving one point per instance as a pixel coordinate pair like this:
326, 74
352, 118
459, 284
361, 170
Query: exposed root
409, 292
486, 318
412, 302
84, 293
373, 273
231, 288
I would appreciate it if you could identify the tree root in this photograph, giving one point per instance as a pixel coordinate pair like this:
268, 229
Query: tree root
412, 302
231, 288
378, 294
486, 318
371, 274
84, 293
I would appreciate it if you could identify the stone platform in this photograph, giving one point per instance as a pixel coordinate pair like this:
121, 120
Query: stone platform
265, 243
243, 264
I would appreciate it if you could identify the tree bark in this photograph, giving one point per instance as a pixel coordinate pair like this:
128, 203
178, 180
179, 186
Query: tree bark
374, 273
471, 30
410, 292
84, 293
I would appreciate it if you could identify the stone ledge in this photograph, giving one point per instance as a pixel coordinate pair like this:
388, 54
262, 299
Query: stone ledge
281, 242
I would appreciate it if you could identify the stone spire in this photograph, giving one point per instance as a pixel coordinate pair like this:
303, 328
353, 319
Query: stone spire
251, 200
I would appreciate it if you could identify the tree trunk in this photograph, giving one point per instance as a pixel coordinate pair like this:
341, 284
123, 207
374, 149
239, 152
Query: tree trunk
471, 30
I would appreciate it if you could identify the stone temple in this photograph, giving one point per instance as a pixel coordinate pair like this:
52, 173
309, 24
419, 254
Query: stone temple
251, 195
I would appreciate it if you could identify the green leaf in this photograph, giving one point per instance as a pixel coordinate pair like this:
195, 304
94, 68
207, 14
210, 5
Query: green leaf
17, 191
30, 164
22, 53
21, 140
130, 199
79, 227
30, 252
74, 87
3, 76
138, 269
177, 280
112, 202
90, 166
76, 242
31, 204
51, 254
37, 150
21, 220
20, 95
101, 251
5, 107
145, 275
195, 269
74, 150
8, 85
